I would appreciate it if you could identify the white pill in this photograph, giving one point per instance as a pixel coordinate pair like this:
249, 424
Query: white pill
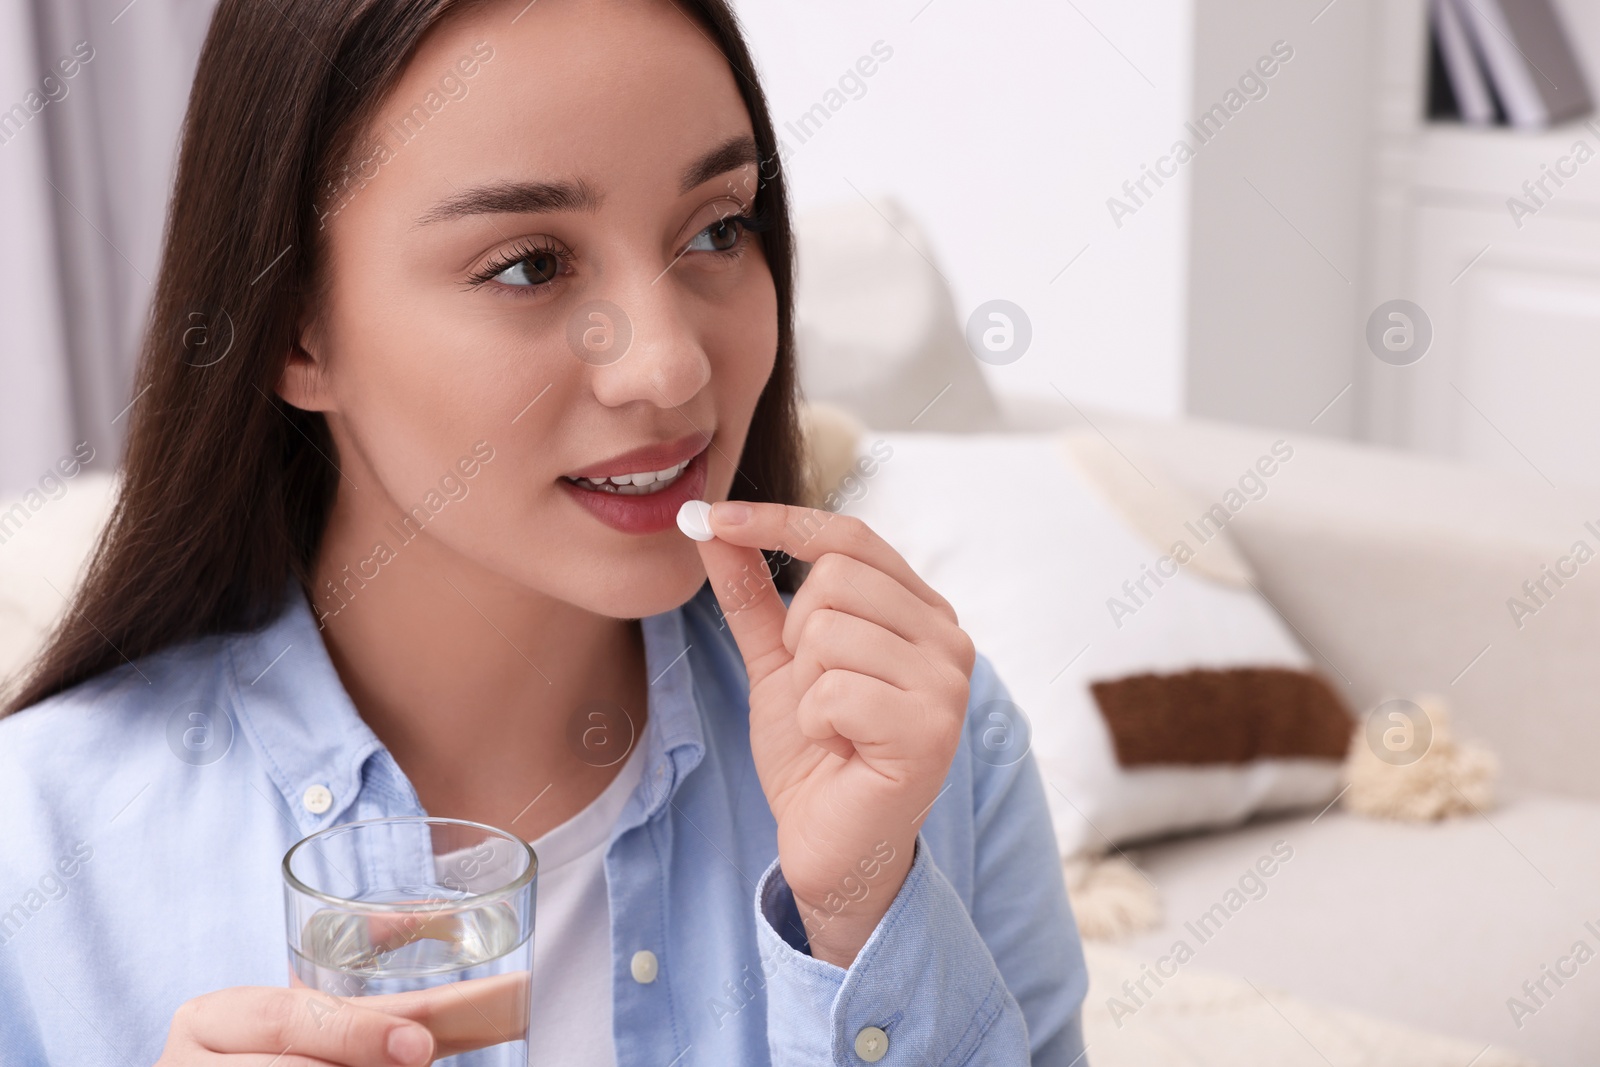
694, 519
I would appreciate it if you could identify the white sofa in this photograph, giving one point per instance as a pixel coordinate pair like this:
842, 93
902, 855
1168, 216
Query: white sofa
1395, 571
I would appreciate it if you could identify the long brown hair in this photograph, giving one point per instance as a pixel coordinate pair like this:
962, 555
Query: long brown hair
226, 489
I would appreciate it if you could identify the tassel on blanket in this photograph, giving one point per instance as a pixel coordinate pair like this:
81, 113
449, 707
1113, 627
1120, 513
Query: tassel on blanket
1110, 898
1448, 778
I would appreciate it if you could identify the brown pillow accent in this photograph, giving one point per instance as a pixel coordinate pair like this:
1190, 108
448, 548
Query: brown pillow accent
1223, 716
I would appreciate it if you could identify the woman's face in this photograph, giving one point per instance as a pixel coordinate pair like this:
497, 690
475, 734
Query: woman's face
533, 257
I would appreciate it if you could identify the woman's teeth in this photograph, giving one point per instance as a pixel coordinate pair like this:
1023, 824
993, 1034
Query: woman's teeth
634, 484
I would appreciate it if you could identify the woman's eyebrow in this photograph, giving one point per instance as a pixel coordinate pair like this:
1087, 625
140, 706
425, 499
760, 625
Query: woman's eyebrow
735, 152
532, 198
521, 198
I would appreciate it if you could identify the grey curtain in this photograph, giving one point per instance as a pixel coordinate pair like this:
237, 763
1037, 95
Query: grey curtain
86, 177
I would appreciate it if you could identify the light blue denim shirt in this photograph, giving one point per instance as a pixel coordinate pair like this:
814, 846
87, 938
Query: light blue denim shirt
132, 879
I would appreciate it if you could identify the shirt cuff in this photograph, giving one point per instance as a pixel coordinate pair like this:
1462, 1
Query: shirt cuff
925, 980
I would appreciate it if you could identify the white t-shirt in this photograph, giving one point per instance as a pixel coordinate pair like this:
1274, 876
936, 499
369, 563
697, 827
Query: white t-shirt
571, 994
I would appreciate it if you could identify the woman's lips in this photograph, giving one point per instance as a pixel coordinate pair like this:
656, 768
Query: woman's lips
643, 513
654, 457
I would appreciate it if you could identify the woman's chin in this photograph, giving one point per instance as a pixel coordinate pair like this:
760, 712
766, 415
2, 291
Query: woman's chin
646, 585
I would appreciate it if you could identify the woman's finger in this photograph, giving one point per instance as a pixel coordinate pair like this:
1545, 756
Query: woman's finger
750, 604
287, 1059
305, 1022
808, 533
866, 711
846, 584
463, 1016
834, 640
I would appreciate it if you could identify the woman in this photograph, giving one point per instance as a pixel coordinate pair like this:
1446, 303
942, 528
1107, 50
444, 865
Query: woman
459, 303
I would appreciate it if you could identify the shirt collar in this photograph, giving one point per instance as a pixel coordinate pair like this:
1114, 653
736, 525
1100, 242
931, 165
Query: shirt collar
295, 710
674, 733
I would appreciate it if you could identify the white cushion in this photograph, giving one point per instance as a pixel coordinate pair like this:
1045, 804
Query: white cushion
1029, 554
875, 326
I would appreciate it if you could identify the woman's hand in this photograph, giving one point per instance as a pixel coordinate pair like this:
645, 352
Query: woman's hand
300, 1027
858, 697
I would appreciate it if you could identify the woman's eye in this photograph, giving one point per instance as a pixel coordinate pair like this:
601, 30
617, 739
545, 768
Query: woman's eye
720, 236
532, 270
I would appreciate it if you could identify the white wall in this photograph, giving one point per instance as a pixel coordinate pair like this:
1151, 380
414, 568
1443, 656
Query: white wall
1004, 127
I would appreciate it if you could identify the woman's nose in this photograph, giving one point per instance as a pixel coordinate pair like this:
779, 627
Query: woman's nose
641, 345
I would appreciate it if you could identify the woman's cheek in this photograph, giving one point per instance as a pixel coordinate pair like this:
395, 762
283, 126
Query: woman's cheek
750, 355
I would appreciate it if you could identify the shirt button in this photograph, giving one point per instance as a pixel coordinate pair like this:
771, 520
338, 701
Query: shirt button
317, 799
872, 1044
644, 966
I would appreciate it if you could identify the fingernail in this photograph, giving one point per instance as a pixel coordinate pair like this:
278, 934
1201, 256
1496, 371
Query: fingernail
409, 1044
731, 512
694, 519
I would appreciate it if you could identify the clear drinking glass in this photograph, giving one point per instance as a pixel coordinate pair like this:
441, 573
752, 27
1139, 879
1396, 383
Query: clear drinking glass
397, 907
